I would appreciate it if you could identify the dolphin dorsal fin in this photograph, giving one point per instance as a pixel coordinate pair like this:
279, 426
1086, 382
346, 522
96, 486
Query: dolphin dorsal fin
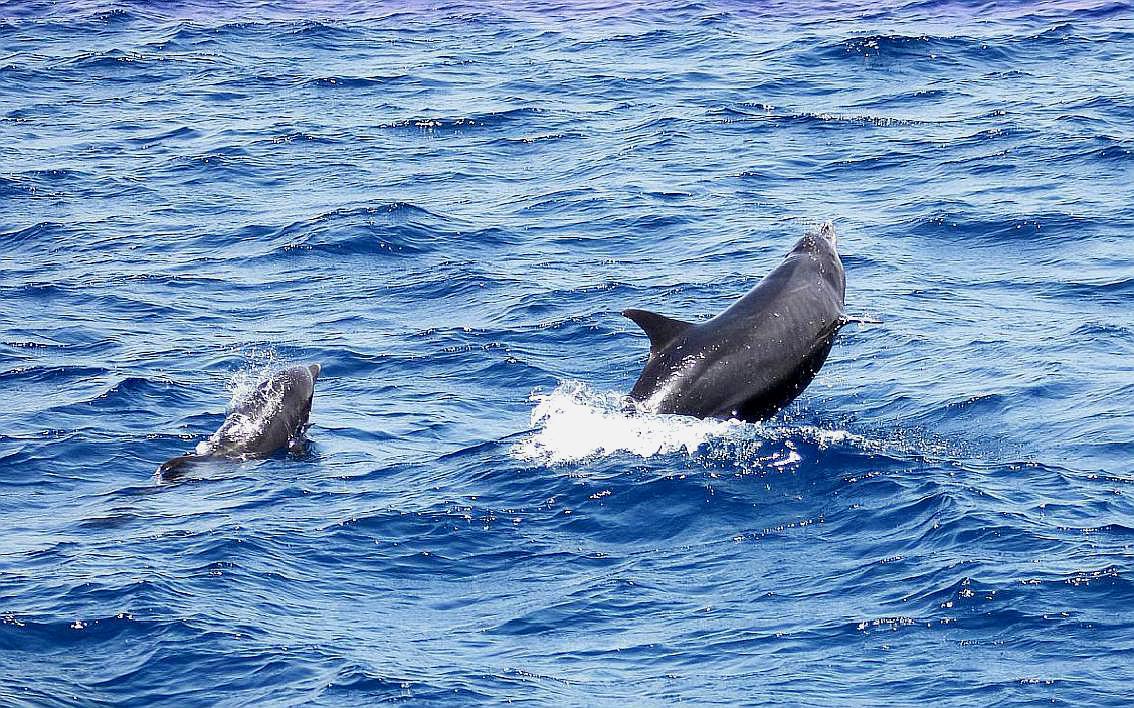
660, 329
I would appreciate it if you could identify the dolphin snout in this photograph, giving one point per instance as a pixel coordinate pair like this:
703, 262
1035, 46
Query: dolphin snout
827, 231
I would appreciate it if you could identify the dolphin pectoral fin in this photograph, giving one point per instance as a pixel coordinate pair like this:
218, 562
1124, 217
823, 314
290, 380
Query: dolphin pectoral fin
846, 320
660, 329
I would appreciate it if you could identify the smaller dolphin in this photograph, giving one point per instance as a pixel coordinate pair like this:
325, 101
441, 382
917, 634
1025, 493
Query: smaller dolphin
273, 416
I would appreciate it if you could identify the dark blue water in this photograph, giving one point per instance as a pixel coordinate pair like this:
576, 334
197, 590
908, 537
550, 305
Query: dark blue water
447, 206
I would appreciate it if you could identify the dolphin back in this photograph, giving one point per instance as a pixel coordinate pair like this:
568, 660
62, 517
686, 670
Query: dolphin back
760, 353
273, 416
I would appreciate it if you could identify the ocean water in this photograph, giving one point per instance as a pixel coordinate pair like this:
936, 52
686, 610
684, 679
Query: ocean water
447, 205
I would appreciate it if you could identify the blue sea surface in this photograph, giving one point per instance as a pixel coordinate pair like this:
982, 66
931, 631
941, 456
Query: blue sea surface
447, 205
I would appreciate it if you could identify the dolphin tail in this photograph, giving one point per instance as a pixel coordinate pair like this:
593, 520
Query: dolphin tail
173, 468
847, 319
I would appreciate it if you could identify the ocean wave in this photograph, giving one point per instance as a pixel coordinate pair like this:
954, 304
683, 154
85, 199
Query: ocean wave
117, 59
1038, 227
181, 132
985, 49
438, 123
45, 234
50, 374
18, 632
447, 206
341, 81
136, 392
396, 228
835, 120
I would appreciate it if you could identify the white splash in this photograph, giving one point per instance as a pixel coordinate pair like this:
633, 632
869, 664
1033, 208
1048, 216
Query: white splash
259, 364
574, 423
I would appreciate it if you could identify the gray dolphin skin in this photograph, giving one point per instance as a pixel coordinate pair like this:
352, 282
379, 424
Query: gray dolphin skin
755, 357
273, 416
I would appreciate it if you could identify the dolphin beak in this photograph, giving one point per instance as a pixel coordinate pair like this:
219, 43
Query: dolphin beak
315, 370
827, 231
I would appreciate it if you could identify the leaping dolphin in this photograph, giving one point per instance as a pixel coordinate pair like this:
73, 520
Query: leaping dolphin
274, 415
755, 357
